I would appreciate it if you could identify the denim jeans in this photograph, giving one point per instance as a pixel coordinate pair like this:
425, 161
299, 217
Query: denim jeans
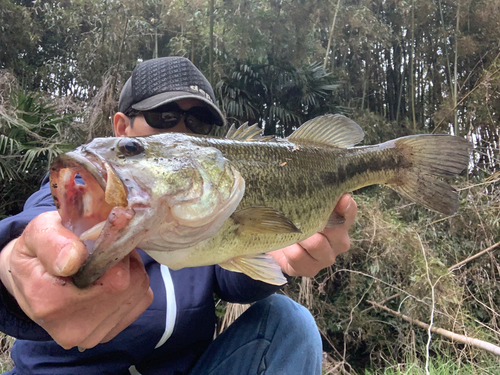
274, 336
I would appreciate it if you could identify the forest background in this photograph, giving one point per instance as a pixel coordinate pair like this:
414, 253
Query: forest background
396, 67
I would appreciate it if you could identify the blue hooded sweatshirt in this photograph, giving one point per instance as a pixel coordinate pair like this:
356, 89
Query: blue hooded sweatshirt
168, 338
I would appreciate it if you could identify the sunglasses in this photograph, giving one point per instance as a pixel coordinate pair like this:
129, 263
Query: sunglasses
200, 120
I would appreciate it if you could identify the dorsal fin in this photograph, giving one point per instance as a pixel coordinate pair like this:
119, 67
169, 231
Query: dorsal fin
334, 130
247, 133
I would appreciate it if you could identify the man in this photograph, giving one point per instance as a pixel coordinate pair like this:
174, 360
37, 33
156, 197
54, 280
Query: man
140, 317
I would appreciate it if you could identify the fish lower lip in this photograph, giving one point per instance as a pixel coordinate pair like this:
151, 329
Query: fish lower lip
84, 208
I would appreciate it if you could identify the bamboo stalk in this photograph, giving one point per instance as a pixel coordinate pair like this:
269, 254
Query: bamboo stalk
412, 67
455, 82
331, 35
446, 48
115, 76
211, 52
489, 347
466, 96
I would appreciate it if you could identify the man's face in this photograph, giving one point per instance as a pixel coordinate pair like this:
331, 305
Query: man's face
124, 128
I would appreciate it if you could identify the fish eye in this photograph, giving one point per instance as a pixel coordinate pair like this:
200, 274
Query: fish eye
130, 147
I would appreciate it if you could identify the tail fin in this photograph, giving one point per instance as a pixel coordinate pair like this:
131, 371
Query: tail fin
432, 156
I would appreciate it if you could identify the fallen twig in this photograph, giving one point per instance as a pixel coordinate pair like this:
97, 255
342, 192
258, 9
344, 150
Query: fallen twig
492, 348
488, 181
459, 264
372, 307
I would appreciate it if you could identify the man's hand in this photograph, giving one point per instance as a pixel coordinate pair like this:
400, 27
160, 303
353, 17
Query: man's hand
35, 269
319, 251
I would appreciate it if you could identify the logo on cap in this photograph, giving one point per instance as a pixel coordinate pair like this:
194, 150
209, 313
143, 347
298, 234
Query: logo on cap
201, 91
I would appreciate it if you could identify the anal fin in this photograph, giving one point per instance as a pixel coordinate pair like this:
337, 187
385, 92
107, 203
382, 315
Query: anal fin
260, 267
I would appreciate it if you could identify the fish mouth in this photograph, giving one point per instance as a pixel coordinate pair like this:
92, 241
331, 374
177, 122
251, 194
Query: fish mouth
85, 208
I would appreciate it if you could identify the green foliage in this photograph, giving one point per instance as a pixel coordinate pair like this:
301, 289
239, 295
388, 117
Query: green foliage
16, 35
394, 59
32, 133
439, 366
377, 129
278, 98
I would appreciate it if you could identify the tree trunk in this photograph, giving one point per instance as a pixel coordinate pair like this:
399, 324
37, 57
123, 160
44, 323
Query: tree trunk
455, 82
331, 35
211, 52
412, 67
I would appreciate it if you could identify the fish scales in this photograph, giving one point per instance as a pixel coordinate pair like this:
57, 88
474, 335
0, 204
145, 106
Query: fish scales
192, 200
316, 185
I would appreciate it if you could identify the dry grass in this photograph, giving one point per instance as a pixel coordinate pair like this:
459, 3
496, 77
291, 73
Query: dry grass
233, 311
5, 360
405, 253
99, 115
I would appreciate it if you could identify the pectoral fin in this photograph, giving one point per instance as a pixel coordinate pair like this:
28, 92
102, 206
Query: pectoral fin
261, 267
261, 220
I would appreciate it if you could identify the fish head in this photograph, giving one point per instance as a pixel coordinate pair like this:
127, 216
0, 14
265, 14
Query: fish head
136, 187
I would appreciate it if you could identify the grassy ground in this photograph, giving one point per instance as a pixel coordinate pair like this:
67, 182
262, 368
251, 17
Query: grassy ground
437, 366
440, 368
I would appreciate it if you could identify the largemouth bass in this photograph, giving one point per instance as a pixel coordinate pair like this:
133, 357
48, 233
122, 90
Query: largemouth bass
192, 200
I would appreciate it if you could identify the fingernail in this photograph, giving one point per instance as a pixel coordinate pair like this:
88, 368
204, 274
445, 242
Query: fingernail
66, 260
348, 206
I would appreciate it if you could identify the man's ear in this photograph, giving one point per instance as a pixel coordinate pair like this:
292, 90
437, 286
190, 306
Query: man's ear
120, 124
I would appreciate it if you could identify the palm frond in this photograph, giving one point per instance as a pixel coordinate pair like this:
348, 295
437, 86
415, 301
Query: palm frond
280, 97
8, 145
7, 170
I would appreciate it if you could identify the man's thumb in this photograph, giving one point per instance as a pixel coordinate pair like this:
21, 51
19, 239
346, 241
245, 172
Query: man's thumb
70, 258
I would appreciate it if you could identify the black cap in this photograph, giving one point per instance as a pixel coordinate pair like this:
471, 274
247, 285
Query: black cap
163, 80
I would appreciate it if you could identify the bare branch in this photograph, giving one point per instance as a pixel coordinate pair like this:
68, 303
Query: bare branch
489, 347
459, 264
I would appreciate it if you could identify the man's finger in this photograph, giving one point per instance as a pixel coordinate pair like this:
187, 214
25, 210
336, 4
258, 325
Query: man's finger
343, 204
136, 299
347, 208
130, 316
62, 252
